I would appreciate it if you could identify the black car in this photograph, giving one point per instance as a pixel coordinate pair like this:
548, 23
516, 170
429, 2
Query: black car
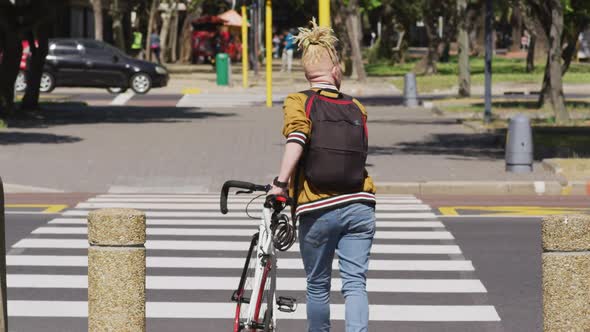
91, 63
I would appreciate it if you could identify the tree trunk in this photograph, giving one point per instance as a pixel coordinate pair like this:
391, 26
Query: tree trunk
35, 67
117, 16
164, 42
463, 41
174, 34
530, 55
387, 40
341, 32
552, 83
427, 66
352, 25
9, 66
516, 23
570, 50
186, 38
151, 28
98, 23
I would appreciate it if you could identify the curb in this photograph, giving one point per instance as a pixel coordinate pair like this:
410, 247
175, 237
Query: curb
20, 189
540, 188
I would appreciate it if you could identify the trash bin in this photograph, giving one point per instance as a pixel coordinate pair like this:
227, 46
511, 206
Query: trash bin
222, 67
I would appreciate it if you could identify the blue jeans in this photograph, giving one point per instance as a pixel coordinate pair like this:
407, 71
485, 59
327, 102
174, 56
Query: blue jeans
349, 232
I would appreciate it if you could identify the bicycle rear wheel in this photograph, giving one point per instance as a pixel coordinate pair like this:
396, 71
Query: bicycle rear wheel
262, 318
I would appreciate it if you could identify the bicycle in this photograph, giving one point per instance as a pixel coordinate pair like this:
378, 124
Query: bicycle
255, 296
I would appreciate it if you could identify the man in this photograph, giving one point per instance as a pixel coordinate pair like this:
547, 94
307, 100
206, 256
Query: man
334, 194
289, 48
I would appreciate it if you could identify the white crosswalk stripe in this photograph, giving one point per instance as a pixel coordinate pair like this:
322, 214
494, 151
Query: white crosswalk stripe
417, 273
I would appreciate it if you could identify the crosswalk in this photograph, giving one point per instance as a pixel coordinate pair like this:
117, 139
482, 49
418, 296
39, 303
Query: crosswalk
220, 100
418, 278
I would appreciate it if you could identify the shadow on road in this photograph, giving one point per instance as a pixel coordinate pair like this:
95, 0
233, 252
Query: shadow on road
482, 146
14, 138
56, 115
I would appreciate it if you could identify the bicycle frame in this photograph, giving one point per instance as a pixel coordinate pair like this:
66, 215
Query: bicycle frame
265, 250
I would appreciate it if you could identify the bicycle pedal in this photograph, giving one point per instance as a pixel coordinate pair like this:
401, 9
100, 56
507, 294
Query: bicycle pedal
286, 304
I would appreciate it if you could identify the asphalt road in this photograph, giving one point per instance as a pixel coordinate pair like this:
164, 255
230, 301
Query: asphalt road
505, 253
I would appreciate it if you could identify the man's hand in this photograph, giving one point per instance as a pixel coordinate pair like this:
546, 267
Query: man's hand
278, 191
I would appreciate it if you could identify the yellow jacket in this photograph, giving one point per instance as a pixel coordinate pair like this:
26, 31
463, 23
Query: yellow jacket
297, 129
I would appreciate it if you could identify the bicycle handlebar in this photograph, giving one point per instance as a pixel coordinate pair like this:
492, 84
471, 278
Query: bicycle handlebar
250, 187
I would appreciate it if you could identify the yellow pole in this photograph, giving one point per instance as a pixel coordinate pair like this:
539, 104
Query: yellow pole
244, 47
268, 29
324, 15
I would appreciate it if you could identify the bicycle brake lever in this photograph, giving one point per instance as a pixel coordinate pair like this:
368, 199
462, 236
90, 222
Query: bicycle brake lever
244, 192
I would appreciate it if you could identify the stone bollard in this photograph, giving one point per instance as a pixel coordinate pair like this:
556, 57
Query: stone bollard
116, 270
410, 90
566, 273
3, 303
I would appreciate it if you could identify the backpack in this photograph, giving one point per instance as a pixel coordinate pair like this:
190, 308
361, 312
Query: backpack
335, 157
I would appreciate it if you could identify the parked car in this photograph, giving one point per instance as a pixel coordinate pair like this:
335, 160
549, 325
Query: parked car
91, 63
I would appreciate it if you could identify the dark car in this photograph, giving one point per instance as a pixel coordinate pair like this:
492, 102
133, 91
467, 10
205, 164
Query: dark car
91, 63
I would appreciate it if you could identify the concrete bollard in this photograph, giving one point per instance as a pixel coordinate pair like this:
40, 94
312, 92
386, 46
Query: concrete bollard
410, 90
519, 145
566, 273
3, 303
116, 270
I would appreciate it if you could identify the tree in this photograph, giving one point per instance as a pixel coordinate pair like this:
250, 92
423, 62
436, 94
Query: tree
98, 22
116, 13
352, 14
193, 11
561, 21
437, 43
463, 41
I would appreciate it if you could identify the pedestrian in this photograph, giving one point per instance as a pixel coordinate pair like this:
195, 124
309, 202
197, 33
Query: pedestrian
137, 45
323, 169
276, 41
155, 45
289, 48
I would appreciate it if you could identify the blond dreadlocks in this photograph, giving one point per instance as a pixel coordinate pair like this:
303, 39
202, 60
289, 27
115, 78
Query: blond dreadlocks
315, 43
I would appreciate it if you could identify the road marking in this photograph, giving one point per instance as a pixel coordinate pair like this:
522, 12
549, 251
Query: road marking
215, 207
122, 98
246, 222
420, 235
213, 214
48, 208
216, 200
232, 246
229, 283
237, 263
208, 310
191, 91
509, 210
217, 196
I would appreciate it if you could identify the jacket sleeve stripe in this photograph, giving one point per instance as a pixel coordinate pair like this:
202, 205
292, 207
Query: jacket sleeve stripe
296, 140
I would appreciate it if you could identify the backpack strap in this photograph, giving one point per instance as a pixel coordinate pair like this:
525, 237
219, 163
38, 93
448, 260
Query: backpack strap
311, 96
